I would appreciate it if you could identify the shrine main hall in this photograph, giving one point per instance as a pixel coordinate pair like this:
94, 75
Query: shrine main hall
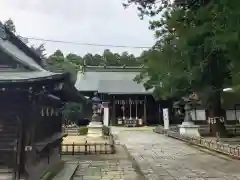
127, 99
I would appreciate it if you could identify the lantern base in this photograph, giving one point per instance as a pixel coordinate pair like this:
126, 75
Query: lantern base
189, 129
95, 129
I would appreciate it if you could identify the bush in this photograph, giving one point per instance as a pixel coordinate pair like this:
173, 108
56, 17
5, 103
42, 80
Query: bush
106, 130
83, 130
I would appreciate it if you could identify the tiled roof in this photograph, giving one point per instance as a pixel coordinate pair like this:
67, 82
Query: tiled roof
102, 81
121, 87
18, 55
23, 76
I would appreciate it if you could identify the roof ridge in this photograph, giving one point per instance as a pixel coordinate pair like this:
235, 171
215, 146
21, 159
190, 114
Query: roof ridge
7, 35
116, 67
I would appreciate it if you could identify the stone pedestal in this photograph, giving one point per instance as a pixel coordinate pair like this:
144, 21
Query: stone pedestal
95, 130
189, 129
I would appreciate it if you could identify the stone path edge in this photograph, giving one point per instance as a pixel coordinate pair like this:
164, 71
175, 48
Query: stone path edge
74, 172
203, 149
71, 174
53, 171
134, 163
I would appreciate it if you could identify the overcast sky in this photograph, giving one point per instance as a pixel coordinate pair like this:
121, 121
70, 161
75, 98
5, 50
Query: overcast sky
90, 21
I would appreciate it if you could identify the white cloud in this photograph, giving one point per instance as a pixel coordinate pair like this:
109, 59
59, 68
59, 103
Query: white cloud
92, 21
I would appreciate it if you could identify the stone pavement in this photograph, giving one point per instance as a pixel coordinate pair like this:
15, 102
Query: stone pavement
164, 158
105, 170
104, 167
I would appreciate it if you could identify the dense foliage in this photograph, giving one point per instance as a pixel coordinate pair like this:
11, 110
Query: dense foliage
73, 112
197, 50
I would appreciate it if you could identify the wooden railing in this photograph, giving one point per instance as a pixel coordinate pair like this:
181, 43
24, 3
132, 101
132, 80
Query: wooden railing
204, 130
89, 148
233, 151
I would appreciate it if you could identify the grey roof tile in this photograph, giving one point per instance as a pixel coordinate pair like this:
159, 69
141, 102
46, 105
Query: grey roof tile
18, 55
121, 87
109, 82
19, 76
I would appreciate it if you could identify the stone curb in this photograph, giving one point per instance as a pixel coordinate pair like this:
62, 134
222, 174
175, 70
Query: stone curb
203, 149
134, 163
52, 172
131, 158
67, 176
213, 153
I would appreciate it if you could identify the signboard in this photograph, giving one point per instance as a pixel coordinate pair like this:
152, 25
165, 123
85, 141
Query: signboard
105, 114
166, 118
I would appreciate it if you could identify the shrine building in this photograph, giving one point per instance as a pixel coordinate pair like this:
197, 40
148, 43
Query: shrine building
129, 102
31, 101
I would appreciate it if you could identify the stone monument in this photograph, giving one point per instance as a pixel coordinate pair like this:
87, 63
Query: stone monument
95, 126
188, 127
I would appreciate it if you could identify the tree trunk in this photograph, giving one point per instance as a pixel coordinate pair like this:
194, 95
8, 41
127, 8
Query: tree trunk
216, 113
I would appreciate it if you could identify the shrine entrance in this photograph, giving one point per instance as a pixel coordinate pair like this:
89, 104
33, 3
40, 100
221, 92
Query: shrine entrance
133, 110
127, 110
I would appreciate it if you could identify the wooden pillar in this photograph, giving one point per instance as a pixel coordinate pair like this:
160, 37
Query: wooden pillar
159, 112
123, 109
113, 120
130, 108
145, 111
20, 148
136, 105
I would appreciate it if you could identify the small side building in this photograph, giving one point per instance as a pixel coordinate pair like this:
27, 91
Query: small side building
31, 101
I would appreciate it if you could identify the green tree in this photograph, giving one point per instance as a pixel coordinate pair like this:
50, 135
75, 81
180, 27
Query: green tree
90, 61
129, 59
74, 59
110, 59
72, 112
56, 62
196, 51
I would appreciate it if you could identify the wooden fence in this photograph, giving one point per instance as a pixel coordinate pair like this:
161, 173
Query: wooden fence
230, 150
89, 148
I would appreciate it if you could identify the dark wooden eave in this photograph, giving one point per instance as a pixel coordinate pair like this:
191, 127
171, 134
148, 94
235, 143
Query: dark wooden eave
70, 94
40, 146
28, 79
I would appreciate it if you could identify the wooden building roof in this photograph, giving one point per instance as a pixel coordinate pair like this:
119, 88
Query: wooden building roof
13, 49
13, 45
110, 80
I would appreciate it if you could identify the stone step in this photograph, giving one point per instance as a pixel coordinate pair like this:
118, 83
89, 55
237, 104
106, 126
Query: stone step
5, 173
6, 176
72, 133
5, 170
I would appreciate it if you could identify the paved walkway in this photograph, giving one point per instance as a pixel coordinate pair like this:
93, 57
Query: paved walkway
104, 167
164, 158
105, 170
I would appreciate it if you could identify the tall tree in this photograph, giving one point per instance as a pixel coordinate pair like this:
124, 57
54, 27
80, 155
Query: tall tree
196, 51
57, 62
110, 59
73, 112
74, 59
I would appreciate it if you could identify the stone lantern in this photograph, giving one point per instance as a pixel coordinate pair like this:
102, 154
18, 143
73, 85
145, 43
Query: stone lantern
95, 126
188, 127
